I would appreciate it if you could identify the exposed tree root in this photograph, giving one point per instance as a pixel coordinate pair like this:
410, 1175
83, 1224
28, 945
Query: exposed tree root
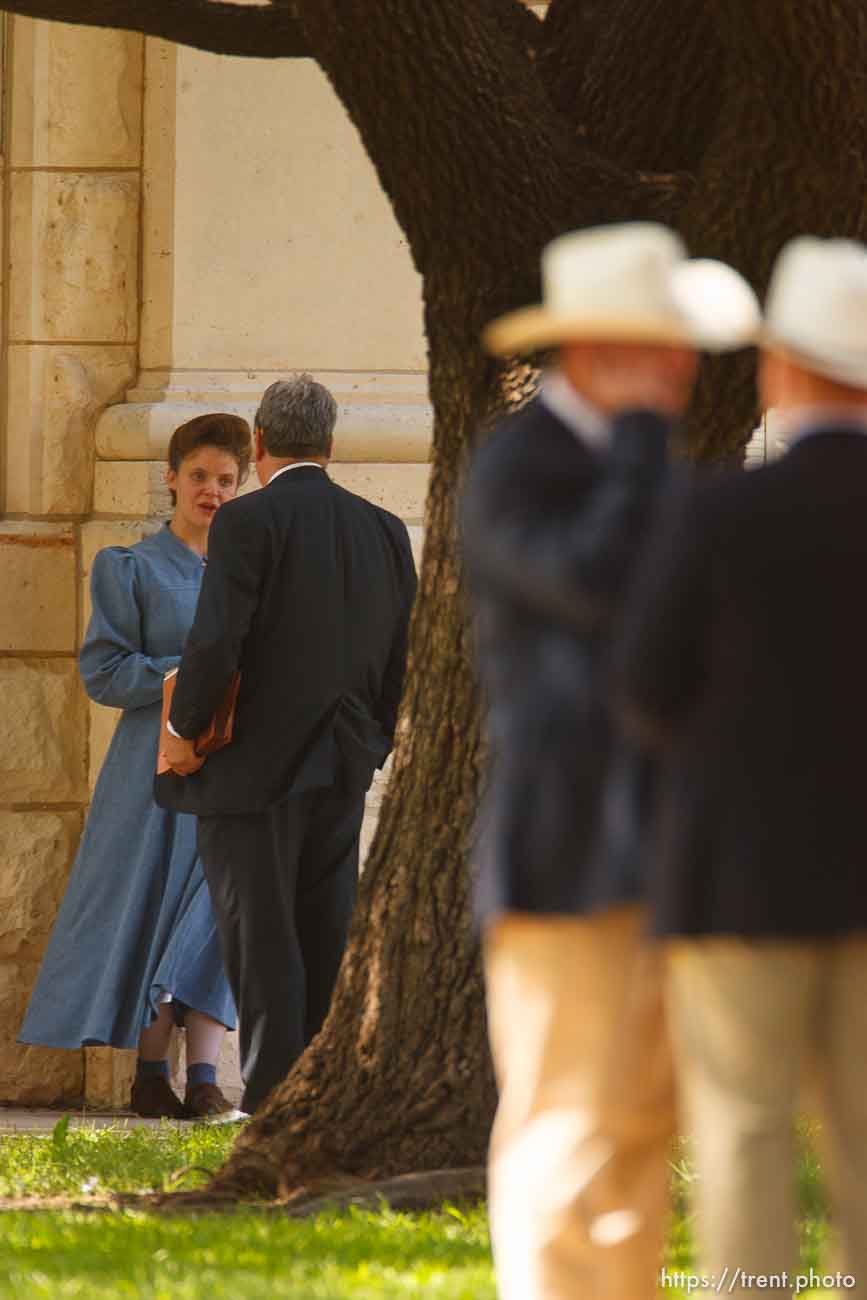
413, 1192
410, 1192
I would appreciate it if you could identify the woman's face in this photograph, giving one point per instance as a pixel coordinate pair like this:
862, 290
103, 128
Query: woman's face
206, 479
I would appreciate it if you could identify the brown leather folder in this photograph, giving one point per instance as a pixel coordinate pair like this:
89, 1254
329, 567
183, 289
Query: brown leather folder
219, 730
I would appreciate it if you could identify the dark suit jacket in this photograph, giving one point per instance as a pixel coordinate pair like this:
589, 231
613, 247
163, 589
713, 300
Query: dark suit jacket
550, 532
746, 652
308, 591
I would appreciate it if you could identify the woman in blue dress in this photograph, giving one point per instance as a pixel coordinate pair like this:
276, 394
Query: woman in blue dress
134, 950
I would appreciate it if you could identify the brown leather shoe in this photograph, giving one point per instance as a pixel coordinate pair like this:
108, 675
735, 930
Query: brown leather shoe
152, 1098
206, 1101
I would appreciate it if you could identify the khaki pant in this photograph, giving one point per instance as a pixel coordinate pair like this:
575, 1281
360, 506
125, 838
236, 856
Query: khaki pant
578, 1170
754, 1022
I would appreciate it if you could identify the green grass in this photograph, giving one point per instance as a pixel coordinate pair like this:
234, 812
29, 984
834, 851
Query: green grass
94, 1161
258, 1257
380, 1256
368, 1256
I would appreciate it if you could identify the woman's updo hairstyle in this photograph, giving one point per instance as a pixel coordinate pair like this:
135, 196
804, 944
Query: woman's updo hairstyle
229, 433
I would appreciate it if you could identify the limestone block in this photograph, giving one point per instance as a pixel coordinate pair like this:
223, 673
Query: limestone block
76, 96
56, 395
42, 732
402, 489
372, 806
159, 171
74, 273
31, 1076
37, 579
133, 488
397, 428
245, 278
383, 431
36, 851
108, 1076
3, 255
96, 535
229, 1069
137, 488
416, 541
351, 388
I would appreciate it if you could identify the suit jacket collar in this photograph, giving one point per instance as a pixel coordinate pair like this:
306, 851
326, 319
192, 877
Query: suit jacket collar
827, 419
563, 440
828, 443
581, 417
291, 472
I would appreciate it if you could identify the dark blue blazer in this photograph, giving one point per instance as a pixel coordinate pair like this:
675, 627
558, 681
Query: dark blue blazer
551, 531
745, 657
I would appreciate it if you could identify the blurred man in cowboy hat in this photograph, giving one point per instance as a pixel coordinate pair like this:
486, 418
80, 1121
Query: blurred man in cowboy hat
746, 658
557, 503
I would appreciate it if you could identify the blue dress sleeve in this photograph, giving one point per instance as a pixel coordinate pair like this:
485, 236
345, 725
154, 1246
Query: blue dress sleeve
114, 668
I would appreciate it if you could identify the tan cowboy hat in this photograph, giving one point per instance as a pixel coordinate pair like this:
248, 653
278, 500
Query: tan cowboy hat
630, 283
816, 307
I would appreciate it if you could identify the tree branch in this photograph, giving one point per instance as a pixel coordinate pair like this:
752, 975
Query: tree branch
652, 83
789, 149
788, 158
266, 31
480, 168
526, 25
568, 38
640, 80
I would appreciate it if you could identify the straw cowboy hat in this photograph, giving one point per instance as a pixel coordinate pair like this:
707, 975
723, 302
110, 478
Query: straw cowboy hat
816, 307
630, 283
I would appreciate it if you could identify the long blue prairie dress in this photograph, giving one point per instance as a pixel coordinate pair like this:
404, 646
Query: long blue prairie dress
136, 922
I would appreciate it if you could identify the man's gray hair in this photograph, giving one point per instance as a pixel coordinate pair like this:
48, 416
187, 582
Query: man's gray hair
297, 418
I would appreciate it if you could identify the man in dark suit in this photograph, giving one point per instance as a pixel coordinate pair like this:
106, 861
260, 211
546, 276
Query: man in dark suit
308, 593
557, 505
745, 659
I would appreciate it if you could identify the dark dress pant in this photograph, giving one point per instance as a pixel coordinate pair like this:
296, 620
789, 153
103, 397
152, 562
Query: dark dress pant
283, 885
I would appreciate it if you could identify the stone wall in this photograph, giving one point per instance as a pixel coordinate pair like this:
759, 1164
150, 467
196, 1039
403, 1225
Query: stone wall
177, 231
71, 195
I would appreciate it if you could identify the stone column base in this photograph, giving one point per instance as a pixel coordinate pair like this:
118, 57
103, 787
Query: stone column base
383, 417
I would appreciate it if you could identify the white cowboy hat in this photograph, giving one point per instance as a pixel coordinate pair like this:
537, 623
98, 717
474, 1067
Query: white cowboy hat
630, 283
816, 307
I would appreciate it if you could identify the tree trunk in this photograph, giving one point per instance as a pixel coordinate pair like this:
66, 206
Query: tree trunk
492, 133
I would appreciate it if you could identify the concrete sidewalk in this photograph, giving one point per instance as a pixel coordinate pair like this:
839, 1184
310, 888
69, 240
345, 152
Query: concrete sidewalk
41, 1122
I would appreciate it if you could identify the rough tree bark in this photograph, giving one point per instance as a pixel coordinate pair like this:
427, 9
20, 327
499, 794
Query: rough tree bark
492, 132
670, 87
787, 158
